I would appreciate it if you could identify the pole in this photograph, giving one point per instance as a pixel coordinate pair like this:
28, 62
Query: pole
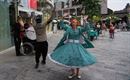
16, 9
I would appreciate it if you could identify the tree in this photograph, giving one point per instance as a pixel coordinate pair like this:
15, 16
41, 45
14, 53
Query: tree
92, 7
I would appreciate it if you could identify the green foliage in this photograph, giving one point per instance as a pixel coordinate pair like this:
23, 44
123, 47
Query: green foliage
110, 11
92, 7
129, 15
78, 18
96, 18
42, 3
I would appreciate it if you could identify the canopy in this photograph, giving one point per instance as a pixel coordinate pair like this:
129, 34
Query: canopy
55, 1
29, 10
61, 1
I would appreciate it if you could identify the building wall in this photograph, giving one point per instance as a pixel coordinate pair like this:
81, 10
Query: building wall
5, 34
103, 3
104, 9
71, 9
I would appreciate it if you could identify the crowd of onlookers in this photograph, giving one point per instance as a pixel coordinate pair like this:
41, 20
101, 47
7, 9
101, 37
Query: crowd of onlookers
102, 26
97, 28
31, 33
23, 31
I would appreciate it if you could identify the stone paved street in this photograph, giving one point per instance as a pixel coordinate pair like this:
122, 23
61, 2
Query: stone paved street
113, 62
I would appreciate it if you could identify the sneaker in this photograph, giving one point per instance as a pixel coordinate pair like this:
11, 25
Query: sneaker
43, 62
20, 55
79, 77
36, 66
71, 76
23, 54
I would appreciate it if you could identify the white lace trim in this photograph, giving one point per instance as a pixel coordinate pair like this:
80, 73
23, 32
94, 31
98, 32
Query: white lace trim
64, 64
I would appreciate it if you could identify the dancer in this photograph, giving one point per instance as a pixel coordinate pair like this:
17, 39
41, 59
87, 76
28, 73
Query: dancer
41, 38
70, 51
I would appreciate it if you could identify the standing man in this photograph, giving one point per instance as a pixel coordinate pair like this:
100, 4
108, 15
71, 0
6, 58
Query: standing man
18, 30
103, 28
41, 39
98, 27
124, 26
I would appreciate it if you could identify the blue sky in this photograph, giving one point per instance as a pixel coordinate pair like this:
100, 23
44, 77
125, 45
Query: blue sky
117, 4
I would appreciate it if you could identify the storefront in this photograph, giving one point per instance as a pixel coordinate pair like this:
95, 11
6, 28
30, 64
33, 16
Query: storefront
5, 32
7, 19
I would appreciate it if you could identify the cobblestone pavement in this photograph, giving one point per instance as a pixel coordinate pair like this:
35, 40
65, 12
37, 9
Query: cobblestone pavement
113, 62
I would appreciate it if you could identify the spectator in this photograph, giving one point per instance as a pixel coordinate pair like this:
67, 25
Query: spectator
124, 26
18, 31
111, 31
104, 28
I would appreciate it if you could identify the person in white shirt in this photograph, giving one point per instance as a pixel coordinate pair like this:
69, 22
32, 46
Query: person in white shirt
124, 26
30, 34
98, 27
120, 26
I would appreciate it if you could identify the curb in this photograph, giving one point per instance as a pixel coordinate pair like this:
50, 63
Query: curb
7, 50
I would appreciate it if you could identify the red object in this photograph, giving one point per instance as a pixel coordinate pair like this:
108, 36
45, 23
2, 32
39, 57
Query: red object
111, 30
75, 20
21, 35
33, 4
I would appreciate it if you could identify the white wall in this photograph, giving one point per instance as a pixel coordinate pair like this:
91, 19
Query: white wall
104, 7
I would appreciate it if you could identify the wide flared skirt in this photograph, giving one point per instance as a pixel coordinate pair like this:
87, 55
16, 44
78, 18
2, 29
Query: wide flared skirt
72, 55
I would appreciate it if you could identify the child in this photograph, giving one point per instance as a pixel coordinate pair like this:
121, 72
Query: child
111, 31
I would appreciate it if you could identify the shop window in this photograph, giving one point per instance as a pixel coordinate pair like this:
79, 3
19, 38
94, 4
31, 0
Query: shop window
62, 5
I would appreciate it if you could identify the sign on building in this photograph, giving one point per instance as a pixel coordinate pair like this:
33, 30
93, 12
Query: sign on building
33, 4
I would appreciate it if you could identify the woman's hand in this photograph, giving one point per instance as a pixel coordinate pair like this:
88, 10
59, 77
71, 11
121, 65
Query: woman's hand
85, 17
65, 14
50, 2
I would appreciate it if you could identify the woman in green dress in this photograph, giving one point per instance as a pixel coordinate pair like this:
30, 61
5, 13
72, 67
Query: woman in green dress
70, 51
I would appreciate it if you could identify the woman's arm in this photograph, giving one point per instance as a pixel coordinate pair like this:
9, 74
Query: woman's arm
50, 12
63, 25
85, 28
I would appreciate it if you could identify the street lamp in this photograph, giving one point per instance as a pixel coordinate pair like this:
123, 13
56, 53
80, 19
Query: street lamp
15, 4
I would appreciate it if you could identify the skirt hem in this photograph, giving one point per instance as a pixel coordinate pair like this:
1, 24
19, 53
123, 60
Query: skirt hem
66, 65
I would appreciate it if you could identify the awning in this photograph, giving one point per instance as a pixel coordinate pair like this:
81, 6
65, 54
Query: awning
29, 10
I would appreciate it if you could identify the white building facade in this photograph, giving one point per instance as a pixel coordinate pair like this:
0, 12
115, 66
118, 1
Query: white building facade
71, 7
104, 9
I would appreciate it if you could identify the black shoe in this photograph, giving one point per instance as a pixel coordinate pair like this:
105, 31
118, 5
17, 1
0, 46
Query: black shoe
43, 62
20, 55
36, 66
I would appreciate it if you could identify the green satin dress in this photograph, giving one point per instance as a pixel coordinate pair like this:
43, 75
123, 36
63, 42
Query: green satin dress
70, 51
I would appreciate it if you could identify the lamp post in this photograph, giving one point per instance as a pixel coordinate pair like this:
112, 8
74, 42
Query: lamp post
15, 4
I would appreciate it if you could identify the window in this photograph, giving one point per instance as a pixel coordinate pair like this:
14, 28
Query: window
62, 5
76, 2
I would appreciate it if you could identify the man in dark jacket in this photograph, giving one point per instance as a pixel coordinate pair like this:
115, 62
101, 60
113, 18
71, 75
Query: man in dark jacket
17, 31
